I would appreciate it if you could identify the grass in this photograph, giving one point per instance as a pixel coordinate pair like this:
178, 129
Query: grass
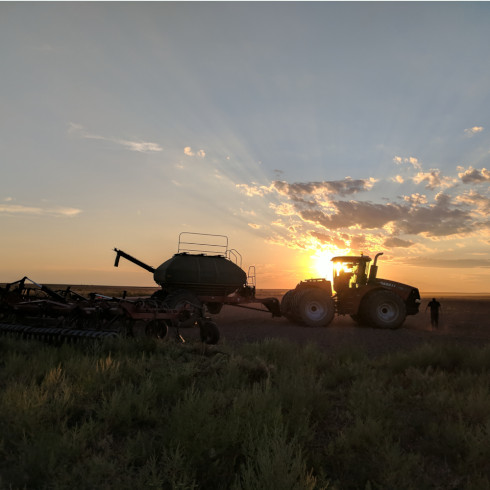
269, 415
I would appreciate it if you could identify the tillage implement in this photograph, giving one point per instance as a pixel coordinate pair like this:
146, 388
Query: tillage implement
32, 310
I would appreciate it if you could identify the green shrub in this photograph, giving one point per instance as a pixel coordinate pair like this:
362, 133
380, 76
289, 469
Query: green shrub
147, 414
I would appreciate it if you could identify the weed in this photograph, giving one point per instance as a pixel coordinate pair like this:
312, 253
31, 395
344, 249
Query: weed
130, 414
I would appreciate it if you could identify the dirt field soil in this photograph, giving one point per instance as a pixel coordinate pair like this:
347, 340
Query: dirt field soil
463, 320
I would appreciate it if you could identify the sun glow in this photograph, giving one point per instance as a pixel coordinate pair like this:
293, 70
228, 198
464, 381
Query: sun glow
321, 262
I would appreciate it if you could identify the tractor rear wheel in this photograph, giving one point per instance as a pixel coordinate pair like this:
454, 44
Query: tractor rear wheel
287, 305
384, 309
314, 307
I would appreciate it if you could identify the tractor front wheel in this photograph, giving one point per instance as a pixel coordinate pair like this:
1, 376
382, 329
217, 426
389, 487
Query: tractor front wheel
384, 309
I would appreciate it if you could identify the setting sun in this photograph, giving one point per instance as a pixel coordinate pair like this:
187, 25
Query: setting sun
322, 262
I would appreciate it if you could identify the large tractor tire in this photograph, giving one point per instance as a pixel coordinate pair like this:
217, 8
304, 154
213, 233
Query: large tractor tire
314, 307
287, 305
384, 309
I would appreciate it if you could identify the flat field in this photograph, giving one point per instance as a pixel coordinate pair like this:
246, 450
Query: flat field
463, 319
274, 405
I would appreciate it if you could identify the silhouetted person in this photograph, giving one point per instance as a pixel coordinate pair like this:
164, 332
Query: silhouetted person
434, 306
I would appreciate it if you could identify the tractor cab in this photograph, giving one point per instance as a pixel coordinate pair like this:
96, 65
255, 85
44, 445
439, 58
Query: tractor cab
350, 271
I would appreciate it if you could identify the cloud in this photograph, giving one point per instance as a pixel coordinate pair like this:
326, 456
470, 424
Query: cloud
329, 214
480, 203
472, 131
449, 263
354, 214
436, 220
415, 218
394, 242
19, 209
433, 179
140, 146
398, 178
344, 187
190, 153
284, 209
247, 212
414, 162
474, 176
253, 190
415, 199
338, 240
309, 191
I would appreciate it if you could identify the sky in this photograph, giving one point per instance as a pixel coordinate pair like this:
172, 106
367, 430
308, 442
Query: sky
299, 130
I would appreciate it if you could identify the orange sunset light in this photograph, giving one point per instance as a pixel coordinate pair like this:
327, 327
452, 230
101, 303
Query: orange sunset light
321, 261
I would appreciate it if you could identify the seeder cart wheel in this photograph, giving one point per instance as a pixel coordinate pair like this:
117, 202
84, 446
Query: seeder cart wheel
209, 332
157, 329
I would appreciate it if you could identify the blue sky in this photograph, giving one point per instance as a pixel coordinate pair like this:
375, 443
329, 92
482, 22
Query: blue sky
301, 130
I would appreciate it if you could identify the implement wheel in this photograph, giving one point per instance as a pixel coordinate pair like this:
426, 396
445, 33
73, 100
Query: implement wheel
214, 308
209, 332
384, 309
182, 298
314, 307
158, 329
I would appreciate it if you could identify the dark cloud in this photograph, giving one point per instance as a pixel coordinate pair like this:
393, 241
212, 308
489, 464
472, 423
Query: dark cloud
475, 176
394, 242
358, 242
329, 219
476, 200
365, 215
449, 263
344, 187
441, 219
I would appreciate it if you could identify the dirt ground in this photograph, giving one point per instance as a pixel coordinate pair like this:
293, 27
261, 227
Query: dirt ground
463, 320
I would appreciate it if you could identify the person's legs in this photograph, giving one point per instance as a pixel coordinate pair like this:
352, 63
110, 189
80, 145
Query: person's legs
433, 319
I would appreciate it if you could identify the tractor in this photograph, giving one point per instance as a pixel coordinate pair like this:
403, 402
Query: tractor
356, 291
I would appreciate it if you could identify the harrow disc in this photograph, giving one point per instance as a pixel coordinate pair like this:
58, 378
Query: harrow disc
52, 334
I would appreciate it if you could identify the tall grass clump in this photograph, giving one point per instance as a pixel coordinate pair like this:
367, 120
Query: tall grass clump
268, 415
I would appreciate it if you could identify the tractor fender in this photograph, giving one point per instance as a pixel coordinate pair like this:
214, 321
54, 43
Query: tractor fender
315, 283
